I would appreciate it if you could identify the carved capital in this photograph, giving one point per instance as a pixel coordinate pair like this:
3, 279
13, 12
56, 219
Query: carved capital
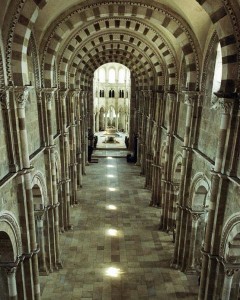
21, 96
195, 216
229, 272
63, 94
176, 187
225, 105
10, 267
172, 96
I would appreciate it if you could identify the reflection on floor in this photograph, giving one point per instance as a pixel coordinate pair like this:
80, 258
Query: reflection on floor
115, 250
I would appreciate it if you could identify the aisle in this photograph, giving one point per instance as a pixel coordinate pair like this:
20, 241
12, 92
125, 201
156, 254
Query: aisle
115, 250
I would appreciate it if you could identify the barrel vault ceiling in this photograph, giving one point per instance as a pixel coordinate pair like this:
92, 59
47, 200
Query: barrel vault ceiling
149, 37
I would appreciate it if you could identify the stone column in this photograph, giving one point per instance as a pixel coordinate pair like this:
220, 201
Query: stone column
79, 141
4, 101
227, 283
21, 96
73, 155
105, 119
97, 122
11, 279
211, 240
66, 162
83, 133
50, 94
191, 258
190, 100
116, 125
41, 240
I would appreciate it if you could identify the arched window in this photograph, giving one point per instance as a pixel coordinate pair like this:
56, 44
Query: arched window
102, 75
112, 76
121, 93
218, 70
101, 93
121, 76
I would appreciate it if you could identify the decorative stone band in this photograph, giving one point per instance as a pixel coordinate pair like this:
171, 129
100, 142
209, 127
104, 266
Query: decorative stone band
51, 206
210, 256
194, 213
65, 133
63, 181
50, 147
188, 149
219, 174
26, 170
73, 164
157, 166
30, 254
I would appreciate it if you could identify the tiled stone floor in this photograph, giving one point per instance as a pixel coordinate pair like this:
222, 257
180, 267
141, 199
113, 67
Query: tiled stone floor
113, 227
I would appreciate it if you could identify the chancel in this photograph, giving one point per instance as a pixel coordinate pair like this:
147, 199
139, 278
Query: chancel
119, 149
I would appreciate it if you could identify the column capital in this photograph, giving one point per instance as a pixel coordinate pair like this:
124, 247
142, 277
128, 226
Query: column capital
191, 97
63, 93
10, 266
21, 95
171, 95
196, 216
225, 105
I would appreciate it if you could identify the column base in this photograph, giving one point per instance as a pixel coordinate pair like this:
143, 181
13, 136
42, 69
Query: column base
60, 265
190, 271
43, 272
69, 227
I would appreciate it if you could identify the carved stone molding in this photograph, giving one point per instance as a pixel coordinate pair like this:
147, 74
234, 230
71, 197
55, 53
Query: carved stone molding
16, 235
4, 100
12, 27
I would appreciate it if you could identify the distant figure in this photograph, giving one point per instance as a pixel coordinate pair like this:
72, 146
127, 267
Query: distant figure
95, 141
126, 141
90, 144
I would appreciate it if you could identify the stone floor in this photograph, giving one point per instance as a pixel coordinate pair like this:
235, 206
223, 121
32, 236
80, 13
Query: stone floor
115, 250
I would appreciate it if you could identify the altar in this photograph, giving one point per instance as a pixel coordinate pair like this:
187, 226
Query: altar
110, 135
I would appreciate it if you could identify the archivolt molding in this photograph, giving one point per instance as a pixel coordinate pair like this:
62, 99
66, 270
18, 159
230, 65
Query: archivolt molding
12, 26
198, 180
13, 230
35, 60
39, 180
177, 160
211, 45
230, 230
